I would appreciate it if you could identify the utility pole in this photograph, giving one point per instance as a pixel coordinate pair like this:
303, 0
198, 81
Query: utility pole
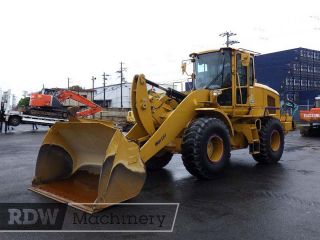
104, 88
121, 77
228, 35
68, 83
93, 79
122, 69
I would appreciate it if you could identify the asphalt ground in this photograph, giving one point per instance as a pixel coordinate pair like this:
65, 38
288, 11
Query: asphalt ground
249, 201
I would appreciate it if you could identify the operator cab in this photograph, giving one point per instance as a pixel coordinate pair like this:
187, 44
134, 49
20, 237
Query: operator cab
213, 70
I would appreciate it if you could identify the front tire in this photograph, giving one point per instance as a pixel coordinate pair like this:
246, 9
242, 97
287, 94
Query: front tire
271, 142
14, 121
206, 147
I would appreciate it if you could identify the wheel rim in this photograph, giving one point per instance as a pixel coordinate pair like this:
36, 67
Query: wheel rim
14, 121
275, 140
215, 148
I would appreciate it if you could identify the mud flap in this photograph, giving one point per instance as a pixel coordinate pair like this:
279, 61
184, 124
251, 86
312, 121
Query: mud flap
89, 165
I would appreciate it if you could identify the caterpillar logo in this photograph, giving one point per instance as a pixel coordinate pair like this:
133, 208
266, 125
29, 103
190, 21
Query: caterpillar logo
161, 139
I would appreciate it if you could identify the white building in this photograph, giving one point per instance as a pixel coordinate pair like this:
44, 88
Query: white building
8, 100
0, 95
113, 95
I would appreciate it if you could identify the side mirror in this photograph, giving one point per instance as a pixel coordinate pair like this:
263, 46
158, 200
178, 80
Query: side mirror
245, 59
184, 67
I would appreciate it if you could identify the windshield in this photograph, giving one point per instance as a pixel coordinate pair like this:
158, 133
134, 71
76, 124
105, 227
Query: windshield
213, 70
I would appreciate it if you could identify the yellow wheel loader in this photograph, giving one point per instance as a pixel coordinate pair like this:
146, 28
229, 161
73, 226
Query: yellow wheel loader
91, 165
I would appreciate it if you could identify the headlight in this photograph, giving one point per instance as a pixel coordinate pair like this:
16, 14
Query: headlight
216, 92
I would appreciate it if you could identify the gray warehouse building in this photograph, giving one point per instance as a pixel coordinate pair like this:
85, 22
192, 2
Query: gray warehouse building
294, 73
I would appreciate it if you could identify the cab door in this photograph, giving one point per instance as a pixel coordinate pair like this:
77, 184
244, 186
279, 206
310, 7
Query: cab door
241, 81
251, 75
244, 80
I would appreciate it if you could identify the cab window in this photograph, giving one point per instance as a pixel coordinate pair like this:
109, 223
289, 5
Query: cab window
251, 80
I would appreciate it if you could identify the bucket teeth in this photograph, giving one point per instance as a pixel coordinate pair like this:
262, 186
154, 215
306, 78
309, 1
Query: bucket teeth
88, 164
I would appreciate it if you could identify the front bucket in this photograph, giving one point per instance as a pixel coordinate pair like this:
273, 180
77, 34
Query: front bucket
88, 164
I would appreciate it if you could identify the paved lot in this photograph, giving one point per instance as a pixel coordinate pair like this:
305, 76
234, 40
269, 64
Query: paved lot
249, 201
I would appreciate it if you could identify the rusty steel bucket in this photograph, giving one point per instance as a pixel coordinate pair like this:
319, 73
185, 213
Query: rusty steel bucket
88, 164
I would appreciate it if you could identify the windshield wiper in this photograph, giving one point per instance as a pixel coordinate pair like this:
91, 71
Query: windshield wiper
220, 74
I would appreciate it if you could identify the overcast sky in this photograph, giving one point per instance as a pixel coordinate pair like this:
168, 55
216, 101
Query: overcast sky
44, 42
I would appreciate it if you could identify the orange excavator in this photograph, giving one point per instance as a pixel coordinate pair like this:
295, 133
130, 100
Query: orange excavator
49, 103
310, 120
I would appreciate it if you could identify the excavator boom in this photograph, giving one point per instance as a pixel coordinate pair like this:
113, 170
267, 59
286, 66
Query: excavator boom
92, 108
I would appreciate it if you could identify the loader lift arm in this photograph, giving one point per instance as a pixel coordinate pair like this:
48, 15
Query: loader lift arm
172, 93
157, 139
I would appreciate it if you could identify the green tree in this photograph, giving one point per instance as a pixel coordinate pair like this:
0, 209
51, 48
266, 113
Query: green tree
24, 102
76, 88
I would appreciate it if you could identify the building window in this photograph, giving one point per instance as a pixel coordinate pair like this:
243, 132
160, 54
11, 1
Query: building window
311, 83
287, 81
301, 53
304, 83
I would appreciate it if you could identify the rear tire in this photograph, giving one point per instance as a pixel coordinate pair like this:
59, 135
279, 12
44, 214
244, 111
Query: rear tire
206, 147
271, 142
159, 161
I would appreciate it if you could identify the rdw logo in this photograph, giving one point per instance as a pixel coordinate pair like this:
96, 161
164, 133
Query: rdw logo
29, 216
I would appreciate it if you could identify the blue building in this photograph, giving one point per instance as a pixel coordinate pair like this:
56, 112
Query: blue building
294, 73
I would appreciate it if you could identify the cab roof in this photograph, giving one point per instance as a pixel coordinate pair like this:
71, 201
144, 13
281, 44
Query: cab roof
227, 48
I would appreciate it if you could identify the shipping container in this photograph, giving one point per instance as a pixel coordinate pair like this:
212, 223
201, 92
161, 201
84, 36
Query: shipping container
294, 73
